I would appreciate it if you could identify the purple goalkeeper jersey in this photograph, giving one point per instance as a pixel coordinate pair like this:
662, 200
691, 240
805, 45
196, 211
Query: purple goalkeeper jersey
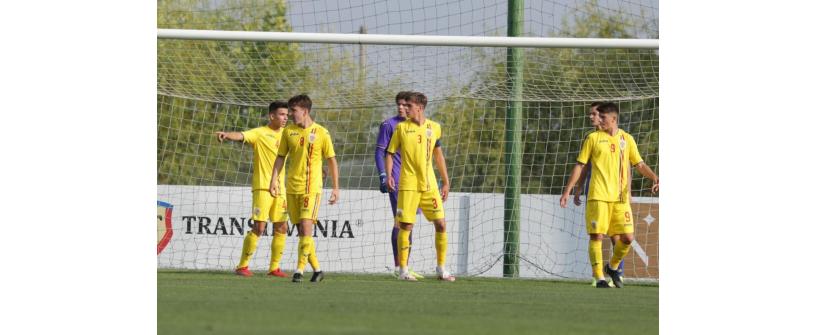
382, 141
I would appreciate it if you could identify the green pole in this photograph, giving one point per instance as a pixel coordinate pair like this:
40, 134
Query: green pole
512, 147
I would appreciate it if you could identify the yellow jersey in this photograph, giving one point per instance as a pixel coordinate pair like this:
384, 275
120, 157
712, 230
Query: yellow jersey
416, 143
306, 149
611, 159
265, 142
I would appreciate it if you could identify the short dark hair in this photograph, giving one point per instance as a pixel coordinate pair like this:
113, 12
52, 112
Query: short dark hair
595, 104
418, 98
301, 100
277, 104
402, 96
608, 107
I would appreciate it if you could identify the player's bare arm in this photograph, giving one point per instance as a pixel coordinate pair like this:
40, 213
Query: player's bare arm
646, 171
564, 198
441, 164
274, 186
579, 187
232, 136
335, 180
388, 167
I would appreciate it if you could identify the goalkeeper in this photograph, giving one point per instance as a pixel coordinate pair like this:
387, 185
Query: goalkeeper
265, 142
382, 142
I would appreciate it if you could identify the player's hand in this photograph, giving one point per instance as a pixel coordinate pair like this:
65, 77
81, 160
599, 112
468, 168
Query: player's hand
274, 188
577, 201
221, 136
391, 184
335, 196
564, 200
383, 183
655, 188
445, 190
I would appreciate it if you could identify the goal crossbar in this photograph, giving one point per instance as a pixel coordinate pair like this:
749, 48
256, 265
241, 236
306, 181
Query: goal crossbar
428, 40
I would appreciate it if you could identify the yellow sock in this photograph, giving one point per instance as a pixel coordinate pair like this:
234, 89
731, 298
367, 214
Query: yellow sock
441, 248
303, 252
312, 256
620, 250
250, 243
596, 259
403, 242
278, 244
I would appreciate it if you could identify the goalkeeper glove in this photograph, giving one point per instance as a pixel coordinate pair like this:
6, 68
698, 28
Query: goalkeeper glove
383, 183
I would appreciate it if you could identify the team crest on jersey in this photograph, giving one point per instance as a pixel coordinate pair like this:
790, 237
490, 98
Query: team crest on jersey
312, 137
622, 142
429, 133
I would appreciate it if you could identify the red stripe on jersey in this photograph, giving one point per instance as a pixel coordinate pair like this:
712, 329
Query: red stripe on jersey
308, 162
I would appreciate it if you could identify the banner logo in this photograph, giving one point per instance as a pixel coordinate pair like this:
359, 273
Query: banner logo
164, 225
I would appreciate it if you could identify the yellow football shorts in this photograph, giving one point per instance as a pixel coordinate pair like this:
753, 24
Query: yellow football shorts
409, 201
264, 206
303, 206
609, 218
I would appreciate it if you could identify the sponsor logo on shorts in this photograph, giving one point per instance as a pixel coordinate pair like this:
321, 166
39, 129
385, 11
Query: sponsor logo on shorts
399, 212
256, 211
594, 224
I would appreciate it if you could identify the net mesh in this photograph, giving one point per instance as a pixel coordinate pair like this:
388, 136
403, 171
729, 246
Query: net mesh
208, 86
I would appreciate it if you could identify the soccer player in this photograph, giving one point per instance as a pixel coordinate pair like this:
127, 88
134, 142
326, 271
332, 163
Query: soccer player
382, 141
306, 143
608, 209
585, 177
416, 137
265, 142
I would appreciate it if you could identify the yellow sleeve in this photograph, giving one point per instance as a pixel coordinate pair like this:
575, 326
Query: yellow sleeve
634, 155
396, 139
328, 146
283, 149
250, 136
585, 150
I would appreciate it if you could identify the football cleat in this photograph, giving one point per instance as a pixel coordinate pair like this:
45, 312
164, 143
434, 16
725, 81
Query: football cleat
298, 277
317, 277
414, 274
445, 276
602, 284
244, 271
407, 276
277, 273
616, 276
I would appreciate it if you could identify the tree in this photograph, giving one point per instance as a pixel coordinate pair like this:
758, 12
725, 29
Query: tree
559, 84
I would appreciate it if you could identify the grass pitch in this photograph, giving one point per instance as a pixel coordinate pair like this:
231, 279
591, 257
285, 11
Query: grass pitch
223, 303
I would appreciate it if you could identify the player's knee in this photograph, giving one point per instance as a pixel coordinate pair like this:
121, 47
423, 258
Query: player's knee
440, 226
627, 238
281, 228
258, 230
406, 226
596, 237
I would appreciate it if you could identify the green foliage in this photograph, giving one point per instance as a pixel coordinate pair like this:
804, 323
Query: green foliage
559, 85
209, 86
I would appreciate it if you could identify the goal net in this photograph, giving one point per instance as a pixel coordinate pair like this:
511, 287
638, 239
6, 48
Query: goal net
204, 86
